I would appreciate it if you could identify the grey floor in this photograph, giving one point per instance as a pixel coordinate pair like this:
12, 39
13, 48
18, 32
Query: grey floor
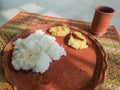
75, 9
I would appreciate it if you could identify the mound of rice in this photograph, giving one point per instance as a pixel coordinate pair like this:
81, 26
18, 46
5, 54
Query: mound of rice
36, 52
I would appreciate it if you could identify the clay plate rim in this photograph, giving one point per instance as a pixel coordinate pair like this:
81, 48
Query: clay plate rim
102, 72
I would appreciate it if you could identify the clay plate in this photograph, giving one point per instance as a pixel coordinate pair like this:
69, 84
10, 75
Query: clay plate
80, 70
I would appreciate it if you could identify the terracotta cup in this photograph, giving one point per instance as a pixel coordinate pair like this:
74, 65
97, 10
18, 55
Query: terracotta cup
101, 20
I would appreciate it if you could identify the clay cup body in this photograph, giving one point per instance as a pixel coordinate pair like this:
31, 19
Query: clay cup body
101, 20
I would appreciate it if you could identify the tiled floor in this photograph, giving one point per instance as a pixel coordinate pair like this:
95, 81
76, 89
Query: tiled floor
75, 9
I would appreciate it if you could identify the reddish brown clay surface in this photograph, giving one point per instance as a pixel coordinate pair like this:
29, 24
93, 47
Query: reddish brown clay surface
101, 19
80, 70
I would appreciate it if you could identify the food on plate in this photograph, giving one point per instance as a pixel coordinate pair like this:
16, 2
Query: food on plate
60, 31
77, 40
5, 86
36, 52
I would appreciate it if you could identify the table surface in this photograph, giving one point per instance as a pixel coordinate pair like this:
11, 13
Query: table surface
25, 20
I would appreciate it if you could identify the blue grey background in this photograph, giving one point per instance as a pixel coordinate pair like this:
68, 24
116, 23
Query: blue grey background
75, 9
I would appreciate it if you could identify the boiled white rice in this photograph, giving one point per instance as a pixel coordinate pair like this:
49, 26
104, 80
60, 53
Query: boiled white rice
36, 52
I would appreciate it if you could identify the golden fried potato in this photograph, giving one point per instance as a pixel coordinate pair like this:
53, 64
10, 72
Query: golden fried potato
77, 41
60, 31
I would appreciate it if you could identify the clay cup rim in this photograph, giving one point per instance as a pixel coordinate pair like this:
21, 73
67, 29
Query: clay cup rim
105, 10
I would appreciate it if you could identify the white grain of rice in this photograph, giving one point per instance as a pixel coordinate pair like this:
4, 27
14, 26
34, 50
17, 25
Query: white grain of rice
36, 52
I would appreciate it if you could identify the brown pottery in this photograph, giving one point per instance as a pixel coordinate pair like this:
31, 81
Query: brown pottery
80, 70
101, 20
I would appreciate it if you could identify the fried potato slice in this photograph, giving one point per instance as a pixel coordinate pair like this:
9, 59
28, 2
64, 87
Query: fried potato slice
60, 31
77, 40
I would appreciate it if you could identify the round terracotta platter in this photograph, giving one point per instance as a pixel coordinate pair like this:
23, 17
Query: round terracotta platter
82, 69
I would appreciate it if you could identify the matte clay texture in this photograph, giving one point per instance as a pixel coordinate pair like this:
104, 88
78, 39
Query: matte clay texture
80, 70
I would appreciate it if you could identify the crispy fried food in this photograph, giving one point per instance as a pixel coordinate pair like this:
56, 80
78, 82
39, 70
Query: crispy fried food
77, 41
60, 31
